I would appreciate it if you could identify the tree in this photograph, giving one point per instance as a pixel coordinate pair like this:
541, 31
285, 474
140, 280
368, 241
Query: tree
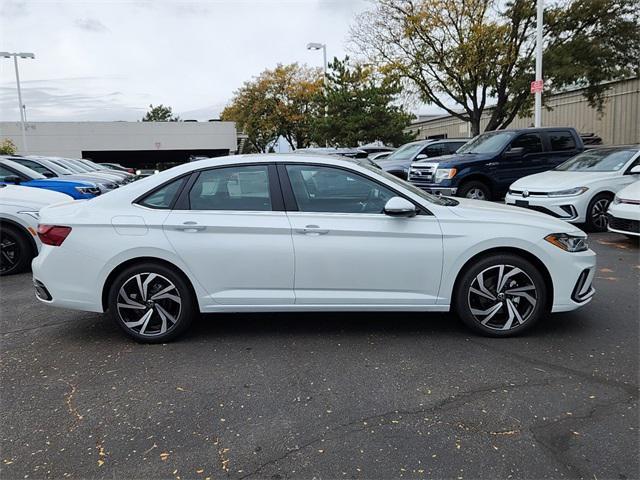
279, 102
7, 147
360, 106
160, 114
463, 54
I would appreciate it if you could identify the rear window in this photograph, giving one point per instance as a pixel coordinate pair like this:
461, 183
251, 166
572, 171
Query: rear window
562, 141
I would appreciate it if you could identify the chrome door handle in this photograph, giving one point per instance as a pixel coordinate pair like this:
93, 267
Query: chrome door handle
312, 230
190, 227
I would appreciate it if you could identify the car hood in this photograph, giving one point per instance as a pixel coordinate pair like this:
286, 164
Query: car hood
456, 159
30, 197
483, 211
559, 180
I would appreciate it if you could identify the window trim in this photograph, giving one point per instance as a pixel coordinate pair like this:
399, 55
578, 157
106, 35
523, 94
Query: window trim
291, 203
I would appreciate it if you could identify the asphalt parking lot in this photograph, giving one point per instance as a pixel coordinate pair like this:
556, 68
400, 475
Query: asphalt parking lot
325, 395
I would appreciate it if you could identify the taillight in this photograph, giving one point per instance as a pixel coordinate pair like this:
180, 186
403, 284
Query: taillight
53, 235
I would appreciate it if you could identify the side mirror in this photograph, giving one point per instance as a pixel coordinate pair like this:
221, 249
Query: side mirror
13, 179
514, 152
421, 156
635, 170
399, 207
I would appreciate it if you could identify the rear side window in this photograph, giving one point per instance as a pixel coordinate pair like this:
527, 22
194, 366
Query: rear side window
244, 188
435, 150
163, 197
561, 141
454, 146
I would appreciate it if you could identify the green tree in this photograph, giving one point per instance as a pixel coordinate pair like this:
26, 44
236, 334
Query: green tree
160, 113
361, 106
463, 55
279, 102
7, 147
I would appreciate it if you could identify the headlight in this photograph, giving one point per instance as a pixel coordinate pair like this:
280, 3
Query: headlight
32, 213
138, 172
568, 193
444, 174
569, 243
88, 190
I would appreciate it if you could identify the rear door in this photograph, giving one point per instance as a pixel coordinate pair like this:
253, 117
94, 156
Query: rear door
561, 147
230, 228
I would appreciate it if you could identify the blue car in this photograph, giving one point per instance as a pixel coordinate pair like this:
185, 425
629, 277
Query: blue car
14, 173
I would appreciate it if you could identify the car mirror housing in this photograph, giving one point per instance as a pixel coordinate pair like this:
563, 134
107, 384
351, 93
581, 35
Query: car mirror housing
635, 170
514, 152
422, 156
399, 207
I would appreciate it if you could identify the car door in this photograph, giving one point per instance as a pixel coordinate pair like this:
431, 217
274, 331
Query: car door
230, 228
347, 251
510, 168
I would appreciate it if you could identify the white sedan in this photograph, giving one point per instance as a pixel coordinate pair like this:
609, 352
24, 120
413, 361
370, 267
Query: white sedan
19, 207
624, 211
294, 232
581, 189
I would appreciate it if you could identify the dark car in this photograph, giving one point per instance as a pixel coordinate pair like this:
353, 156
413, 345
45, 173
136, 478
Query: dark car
399, 162
486, 165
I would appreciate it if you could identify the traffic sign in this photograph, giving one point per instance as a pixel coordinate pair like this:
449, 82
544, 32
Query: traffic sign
536, 86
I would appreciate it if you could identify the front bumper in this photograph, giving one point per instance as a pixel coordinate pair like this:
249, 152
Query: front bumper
572, 280
435, 188
570, 209
624, 218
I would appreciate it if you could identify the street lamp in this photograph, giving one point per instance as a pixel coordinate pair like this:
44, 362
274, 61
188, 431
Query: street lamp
323, 47
20, 105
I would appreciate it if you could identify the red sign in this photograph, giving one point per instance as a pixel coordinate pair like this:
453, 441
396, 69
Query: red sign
536, 86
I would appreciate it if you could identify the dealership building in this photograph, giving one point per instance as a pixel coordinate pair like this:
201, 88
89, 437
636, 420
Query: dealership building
131, 144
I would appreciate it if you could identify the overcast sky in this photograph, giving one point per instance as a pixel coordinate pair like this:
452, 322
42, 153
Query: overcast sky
109, 59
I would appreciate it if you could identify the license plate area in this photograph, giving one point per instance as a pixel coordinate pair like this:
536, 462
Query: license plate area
522, 203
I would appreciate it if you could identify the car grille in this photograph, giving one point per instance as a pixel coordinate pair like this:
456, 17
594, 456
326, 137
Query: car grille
624, 225
422, 173
519, 193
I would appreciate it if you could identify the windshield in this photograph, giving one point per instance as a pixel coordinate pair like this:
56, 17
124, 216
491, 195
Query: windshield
598, 160
406, 152
445, 201
489, 142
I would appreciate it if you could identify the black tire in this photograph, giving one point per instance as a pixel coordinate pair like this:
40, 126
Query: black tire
472, 308
475, 189
16, 250
158, 278
597, 212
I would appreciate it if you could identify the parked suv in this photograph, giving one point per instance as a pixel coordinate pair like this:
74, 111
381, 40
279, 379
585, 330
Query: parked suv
399, 162
487, 165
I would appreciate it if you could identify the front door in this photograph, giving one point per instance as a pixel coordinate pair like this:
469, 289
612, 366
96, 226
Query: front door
234, 240
533, 160
349, 252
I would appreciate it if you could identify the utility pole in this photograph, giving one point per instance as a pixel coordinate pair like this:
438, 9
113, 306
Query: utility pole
537, 89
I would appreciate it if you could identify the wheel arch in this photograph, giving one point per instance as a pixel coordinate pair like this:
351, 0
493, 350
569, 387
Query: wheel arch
21, 228
478, 177
138, 260
544, 271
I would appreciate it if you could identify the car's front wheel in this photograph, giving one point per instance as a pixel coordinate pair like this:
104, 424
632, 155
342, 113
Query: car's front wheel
501, 295
597, 212
475, 190
151, 302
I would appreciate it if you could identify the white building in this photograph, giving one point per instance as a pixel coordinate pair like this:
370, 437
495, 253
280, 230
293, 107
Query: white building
132, 144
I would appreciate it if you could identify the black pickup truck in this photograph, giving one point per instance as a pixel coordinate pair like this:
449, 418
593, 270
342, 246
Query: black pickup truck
487, 165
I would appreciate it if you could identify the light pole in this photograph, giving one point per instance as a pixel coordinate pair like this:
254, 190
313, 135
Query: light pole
323, 46
539, 80
20, 104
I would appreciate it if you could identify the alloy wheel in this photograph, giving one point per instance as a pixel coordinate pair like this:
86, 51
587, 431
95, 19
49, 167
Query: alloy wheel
9, 254
599, 213
502, 297
476, 194
149, 304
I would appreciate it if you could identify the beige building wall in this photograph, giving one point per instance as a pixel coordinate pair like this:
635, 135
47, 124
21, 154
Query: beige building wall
619, 122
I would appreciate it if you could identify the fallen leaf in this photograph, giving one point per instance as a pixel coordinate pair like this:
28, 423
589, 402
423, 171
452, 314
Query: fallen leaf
164, 456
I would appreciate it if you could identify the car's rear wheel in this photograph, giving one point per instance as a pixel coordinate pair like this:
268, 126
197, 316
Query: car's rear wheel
597, 212
16, 251
151, 302
501, 295
475, 190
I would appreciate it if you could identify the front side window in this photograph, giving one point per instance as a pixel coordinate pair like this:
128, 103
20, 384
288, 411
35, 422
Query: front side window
435, 150
561, 141
35, 166
333, 190
243, 188
530, 142
5, 173
406, 152
164, 196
